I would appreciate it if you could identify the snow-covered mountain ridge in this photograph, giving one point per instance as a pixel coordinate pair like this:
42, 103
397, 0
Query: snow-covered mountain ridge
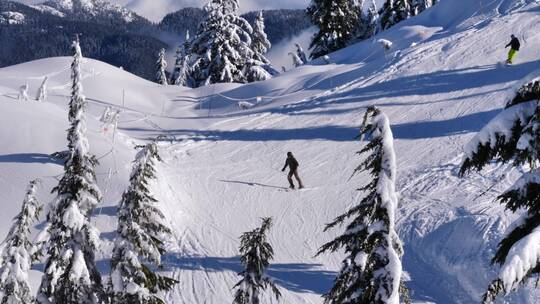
112, 34
94, 8
440, 84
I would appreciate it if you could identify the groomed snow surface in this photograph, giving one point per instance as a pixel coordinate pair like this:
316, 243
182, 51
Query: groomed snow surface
440, 83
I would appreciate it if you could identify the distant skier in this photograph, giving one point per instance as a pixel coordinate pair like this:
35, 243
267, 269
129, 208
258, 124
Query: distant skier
514, 48
293, 165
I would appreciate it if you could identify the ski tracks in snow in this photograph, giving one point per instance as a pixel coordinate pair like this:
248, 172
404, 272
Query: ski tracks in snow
446, 232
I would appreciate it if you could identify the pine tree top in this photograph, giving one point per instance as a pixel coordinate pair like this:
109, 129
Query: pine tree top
222, 47
255, 250
336, 20
256, 254
18, 235
31, 208
224, 7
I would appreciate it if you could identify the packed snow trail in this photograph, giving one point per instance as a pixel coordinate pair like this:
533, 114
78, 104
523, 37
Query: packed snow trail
439, 85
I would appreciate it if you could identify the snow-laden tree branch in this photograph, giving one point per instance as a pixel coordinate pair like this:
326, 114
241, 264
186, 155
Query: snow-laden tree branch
514, 136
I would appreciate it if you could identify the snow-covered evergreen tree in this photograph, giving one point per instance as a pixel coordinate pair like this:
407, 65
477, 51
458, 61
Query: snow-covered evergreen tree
296, 60
23, 92
372, 21
222, 46
362, 22
371, 271
514, 136
16, 254
161, 66
180, 75
430, 3
178, 57
42, 91
419, 6
416, 7
258, 71
337, 21
260, 43
71, 275
259, 68
256, 254
138, 247
393, 12
300, 52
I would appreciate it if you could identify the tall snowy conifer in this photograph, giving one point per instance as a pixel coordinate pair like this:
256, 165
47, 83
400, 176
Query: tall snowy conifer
258, 68
42, 91
371, 271
296, 60
369, 21
514, 136
178, 57
16, 259
337, 21
71, 275
260, 43
256, 255
180, 75
362, 22
161, 66
138, 247
422, 5
416, 7
222, 47
372, 26
300, 52
393, 12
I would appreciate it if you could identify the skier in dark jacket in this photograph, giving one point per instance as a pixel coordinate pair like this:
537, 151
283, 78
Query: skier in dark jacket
293, 165
514, 48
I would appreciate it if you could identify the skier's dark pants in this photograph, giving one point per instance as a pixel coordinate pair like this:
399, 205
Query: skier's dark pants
295, 174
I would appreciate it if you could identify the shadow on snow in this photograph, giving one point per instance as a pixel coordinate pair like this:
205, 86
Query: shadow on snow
253, 184
30, 158
422, 85
414, 130
296, 277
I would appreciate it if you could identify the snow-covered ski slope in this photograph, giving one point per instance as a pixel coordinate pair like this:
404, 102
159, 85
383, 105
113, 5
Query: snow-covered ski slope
442, 81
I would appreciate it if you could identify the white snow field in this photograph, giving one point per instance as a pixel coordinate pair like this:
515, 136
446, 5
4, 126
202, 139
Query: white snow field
441, 82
